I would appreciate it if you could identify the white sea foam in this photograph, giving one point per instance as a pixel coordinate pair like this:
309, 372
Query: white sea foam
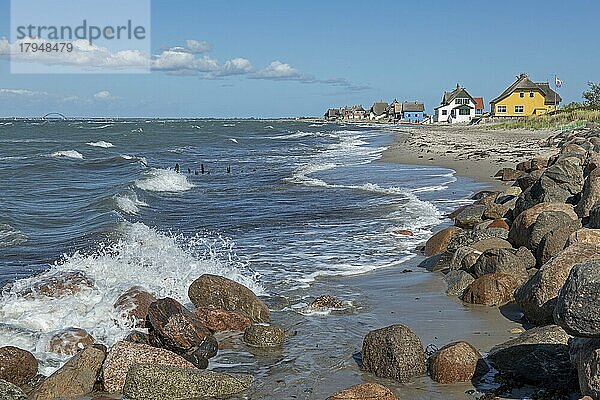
164, 180
295, 135
101, 143
129, 203
163, 264
10, 236
67, 154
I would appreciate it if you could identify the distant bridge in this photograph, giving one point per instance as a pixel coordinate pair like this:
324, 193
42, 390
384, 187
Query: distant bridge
54, 115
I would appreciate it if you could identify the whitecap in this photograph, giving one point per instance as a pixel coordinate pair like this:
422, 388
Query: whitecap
129, 203
164, 264
10, 236
163, 180
67, 154
101, 143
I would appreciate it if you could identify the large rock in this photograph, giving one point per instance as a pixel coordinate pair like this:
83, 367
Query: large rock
212, 291
577, 308
393, 352
526, 181
59, 285
537, 297
500, 261
17, 366
159, 382
495, 211
8, 391
544, 190
568, 173
554, 241
175, 328
492, 289
547, 221
364, 391
261, 335
456, 362
223, 321
590, 195
521, 228
464, 257
470, 216
586, 236
438, 243
75, 379
133, 305
594, 220
457, 282
468, 237
585, 354
439, 262
123, 355
508, 174
70, 341
539, 356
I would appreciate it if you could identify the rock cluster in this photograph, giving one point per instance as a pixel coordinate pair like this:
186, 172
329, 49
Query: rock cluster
537, 244
165, 363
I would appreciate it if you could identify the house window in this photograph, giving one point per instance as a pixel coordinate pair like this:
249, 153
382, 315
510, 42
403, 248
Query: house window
464, 111
501, 109
518, 109
531, 94
444, 112
522, 94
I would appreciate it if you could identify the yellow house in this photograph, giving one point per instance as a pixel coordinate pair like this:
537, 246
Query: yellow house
524, 98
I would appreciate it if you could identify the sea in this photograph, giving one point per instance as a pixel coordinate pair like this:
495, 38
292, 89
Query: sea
291, 209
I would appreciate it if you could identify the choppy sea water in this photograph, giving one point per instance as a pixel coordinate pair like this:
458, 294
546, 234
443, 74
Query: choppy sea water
287, 208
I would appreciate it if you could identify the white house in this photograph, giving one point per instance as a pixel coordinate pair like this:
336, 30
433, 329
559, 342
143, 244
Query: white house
457, 106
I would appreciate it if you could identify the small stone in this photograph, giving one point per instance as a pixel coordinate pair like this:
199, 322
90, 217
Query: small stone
364, 391
70, 341
325, 301
260, 335
456, 362
17, 366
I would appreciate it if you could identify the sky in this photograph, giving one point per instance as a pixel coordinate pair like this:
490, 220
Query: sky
267, 58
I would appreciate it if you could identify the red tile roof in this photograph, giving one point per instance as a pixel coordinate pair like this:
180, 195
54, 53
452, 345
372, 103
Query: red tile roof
478, 103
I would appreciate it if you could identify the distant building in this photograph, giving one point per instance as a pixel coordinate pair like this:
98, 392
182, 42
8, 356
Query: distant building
379, 111
456, 106
333, 114
354, 112
413, 111
524, 98
479, 106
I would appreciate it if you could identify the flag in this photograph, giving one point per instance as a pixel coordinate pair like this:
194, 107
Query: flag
557, 82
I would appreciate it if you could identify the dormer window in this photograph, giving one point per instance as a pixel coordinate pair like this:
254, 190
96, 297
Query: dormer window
522, 94
531, 94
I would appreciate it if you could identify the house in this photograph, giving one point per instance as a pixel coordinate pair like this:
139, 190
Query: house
413, 111
479, 106
356, 112
379, 111
395, 111
333, 114
456, 106
525, 97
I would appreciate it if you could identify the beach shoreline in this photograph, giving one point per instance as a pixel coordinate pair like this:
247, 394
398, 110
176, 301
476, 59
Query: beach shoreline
471, 151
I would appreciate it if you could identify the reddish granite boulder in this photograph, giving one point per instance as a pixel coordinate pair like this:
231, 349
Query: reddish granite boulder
438, 243
221, 320
134, 304
17, 366
364, 391
456, 362
212, 291
175, 328
70, 341
499, 223
492, 289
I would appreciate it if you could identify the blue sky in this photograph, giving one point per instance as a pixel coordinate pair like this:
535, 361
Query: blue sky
296, 58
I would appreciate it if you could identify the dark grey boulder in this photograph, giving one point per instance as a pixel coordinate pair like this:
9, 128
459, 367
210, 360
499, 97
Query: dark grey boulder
526, 181
544, 190
393, 352
457, 282
262, 335
585, 355
499, 260
545, 222
555, 240
159, 382
526, 256
590, 195
539, 356
470, 216
468, 237
577, 308
568, 173
439, 262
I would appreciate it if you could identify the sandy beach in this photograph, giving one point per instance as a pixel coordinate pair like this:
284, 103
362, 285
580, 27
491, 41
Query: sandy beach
472, 151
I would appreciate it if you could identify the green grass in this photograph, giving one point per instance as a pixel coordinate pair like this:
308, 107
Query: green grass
564, 119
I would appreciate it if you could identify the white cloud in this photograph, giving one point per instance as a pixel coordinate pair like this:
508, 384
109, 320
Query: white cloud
280, 71
198, 46
103, 95
178, 60
236, 66
21, 92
